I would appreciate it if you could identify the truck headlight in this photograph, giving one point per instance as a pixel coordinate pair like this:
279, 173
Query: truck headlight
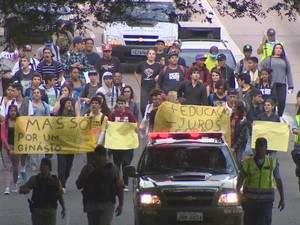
228, 199
149, 199
114, 40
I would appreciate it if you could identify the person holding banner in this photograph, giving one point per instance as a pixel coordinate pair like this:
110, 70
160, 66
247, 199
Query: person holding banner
122, 157
99, 123
269, 115
65, 161
10, 160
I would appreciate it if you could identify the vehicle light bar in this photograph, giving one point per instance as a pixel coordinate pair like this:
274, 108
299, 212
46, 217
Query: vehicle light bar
185, 135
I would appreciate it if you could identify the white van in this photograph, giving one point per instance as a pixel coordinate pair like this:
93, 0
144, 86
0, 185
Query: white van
152, 20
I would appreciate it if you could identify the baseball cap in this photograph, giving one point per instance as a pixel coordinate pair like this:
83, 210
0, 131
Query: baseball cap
26, 47
160, 41
172, 54
106, 47
213, 49
107, 74
177, 43
221, 57
92, 72
77, 40
271, 32
247, 48
200, 56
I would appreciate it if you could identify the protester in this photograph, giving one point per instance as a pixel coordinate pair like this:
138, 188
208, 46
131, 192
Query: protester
107, 63
47, 190
35, 83
231, 97
89, 90
100, 183
54, 49
211, 60
160, 52
225, 70
219, 98
253, 70
204, 72
172, 75
122, 157
92, 56
4, 100
242, 65
78, 84
9, 158
104, 108
239, 131
266, 86
130, 105
194, 91
51, 91
145, 73
24, 75
98, 124
215, 76
176, 47
259, 177
281, 75
62, 37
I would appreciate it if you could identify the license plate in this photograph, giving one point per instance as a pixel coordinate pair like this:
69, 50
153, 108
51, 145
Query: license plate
139, 52
189, 216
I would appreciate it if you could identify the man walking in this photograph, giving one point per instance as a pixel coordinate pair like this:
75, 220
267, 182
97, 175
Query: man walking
259, 176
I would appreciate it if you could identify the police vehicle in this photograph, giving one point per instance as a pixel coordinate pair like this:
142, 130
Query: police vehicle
185, 178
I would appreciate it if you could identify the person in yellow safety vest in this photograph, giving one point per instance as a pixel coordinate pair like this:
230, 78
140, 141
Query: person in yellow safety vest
296, 152
259, 176
266, 46
211, 60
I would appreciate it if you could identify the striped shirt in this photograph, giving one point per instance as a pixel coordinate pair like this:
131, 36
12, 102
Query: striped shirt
54, 68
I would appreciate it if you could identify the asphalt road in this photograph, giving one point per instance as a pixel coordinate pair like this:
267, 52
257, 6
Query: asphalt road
14, 208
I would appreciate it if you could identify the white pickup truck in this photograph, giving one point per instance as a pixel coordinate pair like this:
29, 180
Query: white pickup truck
152, 20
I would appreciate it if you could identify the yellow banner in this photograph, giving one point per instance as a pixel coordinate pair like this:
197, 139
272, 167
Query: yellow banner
121, 136
277, 134
192, 118
53, 135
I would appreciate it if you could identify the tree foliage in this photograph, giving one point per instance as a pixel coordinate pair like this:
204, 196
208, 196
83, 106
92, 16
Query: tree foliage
29, 14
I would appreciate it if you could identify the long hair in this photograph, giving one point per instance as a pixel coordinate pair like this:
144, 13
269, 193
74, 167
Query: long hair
63, 102
283, 55
132, 93
240, 108
7, 115
104, 108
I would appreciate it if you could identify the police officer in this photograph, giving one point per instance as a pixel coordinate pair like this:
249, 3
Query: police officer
47, 190
101, 182
259, 175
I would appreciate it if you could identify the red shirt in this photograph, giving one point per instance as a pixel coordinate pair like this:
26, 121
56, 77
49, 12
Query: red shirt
118, 116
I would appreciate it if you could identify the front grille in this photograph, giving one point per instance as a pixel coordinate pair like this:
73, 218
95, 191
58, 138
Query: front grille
140, 39
150, 43
188, 197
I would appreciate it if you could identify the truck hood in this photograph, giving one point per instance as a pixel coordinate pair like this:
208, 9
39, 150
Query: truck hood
188, 180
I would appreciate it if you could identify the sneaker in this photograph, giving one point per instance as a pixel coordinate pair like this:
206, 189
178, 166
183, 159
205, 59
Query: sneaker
126, 188
23, 175
6, 191
15, 188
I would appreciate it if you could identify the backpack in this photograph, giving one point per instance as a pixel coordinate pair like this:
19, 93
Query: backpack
23, 110
164, 70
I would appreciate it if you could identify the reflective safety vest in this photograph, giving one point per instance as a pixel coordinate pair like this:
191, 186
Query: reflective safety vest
268, 49
296, 136
259, 183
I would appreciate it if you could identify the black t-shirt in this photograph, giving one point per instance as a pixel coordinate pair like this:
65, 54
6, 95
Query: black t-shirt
171, 79
148, 72
92, 58
112, 65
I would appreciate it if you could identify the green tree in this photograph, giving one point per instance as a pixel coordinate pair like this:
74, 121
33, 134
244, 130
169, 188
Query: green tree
24, 17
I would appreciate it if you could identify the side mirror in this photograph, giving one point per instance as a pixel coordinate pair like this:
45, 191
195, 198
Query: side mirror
130, 171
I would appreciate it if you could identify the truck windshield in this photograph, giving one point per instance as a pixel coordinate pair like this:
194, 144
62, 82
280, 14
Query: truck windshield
214, 160
157, 11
